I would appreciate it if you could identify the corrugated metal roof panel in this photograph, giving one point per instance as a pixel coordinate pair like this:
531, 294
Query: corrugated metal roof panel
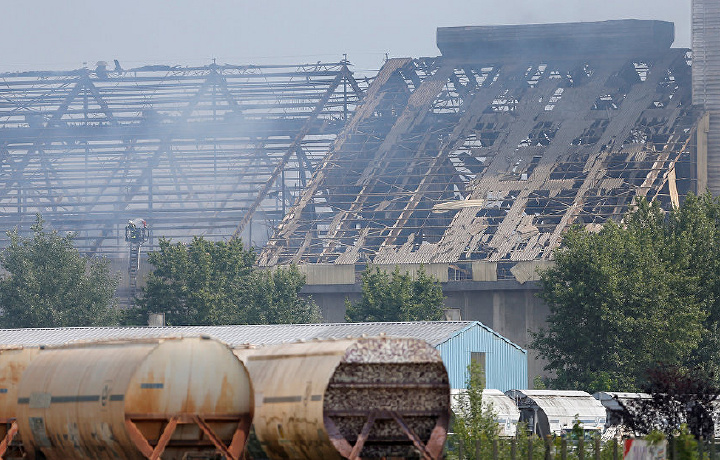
558, 404
434, 332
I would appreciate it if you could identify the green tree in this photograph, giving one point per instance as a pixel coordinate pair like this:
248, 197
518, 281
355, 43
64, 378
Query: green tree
396, 297
275, 298
694, 237
621, 300
213, 283
680, 400
50, 284
473, 422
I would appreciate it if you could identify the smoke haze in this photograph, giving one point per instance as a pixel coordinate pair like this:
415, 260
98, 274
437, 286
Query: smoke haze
47, 34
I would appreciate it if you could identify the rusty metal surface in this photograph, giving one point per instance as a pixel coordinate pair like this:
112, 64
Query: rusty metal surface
290, 381
366, 397
13, 362
115, 400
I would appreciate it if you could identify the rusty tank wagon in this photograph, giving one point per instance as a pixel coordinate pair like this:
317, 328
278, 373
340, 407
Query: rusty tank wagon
370, 397
13, 362
135, 399
192, 398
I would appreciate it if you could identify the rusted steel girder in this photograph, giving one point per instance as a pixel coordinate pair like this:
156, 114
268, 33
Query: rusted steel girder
290, 150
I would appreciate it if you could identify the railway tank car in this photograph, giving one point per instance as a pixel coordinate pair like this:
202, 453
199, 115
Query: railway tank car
135, 399
13, 362
368, 397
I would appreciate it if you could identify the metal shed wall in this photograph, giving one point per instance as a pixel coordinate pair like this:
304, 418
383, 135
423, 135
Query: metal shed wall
505, 362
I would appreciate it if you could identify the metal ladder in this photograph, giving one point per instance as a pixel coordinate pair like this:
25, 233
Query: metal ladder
133, 268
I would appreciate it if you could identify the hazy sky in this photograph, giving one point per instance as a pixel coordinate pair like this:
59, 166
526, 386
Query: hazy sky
63, 34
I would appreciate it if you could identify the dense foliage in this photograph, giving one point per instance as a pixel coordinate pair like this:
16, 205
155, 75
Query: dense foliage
48, 283
397, 297
634, 295
214, 283
678, 399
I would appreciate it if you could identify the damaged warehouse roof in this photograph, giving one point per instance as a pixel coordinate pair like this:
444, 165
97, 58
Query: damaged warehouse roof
192, 150
489, 152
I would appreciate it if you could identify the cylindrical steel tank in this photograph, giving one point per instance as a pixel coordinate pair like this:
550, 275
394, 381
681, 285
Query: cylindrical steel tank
168, 398
370, 397
13, 362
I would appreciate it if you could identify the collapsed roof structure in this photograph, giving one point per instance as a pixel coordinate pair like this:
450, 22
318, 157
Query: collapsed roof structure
489, 152
206, 150
484, 154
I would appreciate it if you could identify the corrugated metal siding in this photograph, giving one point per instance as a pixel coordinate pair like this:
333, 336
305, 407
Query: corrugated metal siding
505, 362
706, 78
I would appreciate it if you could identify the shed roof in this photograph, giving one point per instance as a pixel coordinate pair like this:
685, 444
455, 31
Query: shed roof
433, 332
556, 403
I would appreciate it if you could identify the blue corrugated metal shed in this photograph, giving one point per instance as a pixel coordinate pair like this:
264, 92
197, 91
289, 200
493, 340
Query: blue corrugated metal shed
505, 362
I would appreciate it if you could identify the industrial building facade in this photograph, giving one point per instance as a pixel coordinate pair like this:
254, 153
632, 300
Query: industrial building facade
475, 163
471, 164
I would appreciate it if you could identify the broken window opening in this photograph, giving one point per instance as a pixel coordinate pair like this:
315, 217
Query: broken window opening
541, 134
606, 102
592, 134
504, 103
642, 69
534, 74
448, 100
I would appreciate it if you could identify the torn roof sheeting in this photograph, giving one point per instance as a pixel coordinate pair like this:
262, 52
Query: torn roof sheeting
525, 145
